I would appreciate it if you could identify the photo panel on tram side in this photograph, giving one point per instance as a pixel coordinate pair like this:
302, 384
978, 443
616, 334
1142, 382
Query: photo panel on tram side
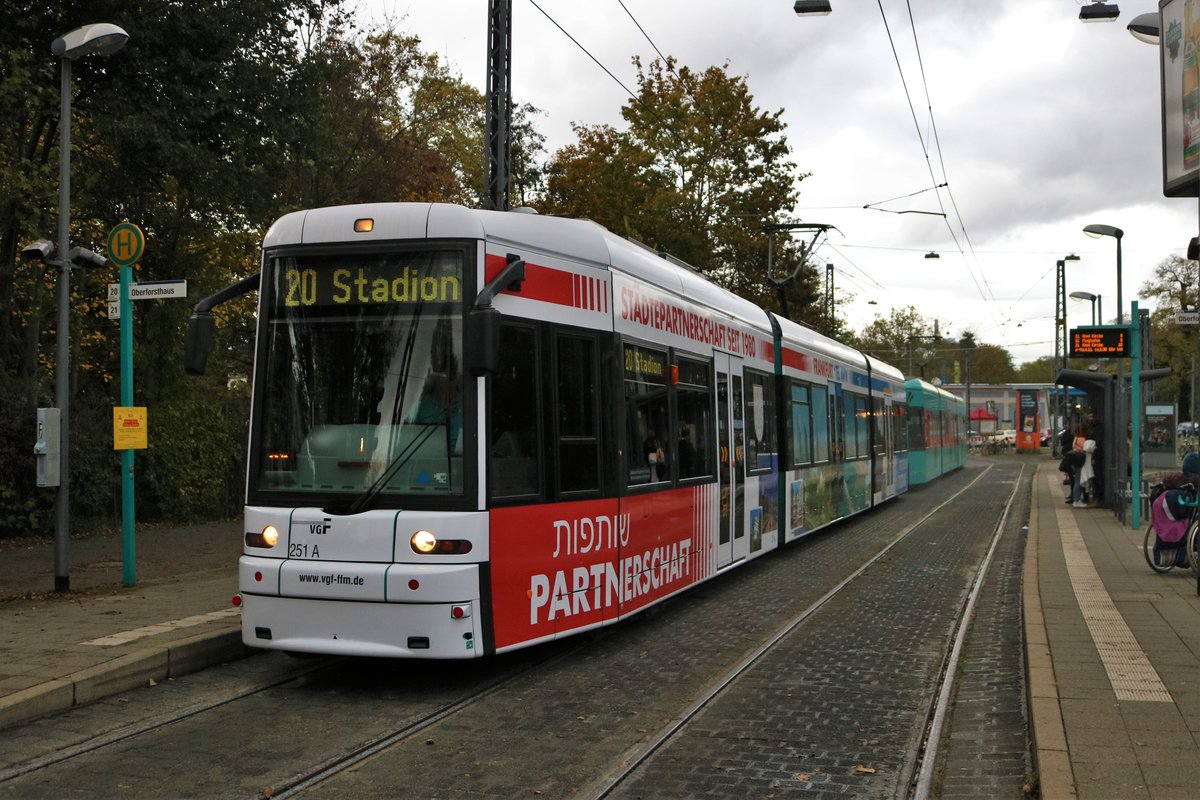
732, 542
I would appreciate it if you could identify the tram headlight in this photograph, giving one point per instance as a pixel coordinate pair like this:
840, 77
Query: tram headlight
267, 538
424, 542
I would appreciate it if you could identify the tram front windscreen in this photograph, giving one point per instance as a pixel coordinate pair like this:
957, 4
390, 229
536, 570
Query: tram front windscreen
359, 380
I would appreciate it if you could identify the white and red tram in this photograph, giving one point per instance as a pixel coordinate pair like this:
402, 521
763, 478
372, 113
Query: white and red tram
475, 431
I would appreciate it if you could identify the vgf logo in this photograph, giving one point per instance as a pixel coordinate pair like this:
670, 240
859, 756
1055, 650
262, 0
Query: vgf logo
320, 528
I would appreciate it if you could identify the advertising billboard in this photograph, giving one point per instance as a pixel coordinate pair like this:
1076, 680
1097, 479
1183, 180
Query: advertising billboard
1179, 53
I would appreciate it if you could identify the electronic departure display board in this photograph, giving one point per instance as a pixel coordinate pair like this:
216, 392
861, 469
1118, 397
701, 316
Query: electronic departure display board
1104, 341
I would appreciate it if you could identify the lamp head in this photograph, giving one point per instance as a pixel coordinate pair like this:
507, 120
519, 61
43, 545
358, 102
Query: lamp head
1096, 231
1099, 12
812, 8
933, 254
1071, 257
1146, 27
42, 249
1083, 296
101, 39
82, 257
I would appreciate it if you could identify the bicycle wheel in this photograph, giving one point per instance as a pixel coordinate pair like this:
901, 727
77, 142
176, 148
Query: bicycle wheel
1191, 542
1159, 560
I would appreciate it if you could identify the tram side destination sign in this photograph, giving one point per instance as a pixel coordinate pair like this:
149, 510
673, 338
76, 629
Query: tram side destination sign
1100, 341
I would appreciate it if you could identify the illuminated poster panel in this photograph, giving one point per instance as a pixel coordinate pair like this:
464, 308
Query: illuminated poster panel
1179, 54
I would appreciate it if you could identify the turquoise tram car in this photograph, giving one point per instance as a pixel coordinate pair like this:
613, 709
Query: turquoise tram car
937, 428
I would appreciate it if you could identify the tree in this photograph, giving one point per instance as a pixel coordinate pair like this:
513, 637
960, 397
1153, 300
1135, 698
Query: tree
1174, 285
1040, 370
698, 173
213, 121
903, 339
992, 364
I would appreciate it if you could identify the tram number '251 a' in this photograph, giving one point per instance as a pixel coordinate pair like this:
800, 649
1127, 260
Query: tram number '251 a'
304, 549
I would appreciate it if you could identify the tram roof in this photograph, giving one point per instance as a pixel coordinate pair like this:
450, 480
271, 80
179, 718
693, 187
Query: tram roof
577, 240
796, 334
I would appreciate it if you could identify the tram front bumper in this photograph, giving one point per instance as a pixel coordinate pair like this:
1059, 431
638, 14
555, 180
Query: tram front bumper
357, 609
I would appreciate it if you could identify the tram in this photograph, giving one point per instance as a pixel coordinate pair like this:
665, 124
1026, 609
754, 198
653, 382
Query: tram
937, 431
474, 431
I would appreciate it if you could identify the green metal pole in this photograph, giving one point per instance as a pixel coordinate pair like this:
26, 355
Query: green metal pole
128, 544
1135, 403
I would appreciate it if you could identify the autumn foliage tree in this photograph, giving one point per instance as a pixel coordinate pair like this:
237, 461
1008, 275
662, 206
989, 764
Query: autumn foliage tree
697, 173
213, 121
1174, 285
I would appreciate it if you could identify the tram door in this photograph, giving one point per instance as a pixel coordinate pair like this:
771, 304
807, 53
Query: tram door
732, 542
884, 479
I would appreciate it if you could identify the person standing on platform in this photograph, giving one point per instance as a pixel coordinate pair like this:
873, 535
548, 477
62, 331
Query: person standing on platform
1078, 457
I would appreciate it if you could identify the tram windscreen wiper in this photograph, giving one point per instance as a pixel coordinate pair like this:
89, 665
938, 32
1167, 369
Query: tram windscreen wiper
366, 500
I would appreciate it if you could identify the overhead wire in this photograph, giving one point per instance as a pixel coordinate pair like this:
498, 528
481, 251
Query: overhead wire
920, 136
584, 49
937, 141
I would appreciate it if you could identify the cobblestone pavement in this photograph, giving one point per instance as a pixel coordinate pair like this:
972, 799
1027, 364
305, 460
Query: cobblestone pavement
839, 708
848, 697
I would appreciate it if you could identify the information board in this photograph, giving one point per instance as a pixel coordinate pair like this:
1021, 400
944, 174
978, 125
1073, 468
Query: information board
1099, 341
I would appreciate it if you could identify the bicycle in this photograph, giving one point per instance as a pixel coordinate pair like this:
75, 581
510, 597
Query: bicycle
1164, 559
1192, 542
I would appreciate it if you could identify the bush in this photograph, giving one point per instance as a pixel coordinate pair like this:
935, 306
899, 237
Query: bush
194, 467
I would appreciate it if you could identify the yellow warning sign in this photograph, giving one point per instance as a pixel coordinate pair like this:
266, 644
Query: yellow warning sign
129, 427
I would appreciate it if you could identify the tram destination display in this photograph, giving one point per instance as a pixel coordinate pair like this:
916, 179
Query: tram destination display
1103, 341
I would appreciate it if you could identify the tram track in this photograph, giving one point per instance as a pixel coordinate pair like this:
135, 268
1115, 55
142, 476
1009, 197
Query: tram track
554, 721
226, 702
634, 758
334, 766
156, 722
638, 755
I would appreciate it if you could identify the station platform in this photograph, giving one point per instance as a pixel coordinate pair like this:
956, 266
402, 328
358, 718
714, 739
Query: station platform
101, 638
1113, 653
1113, 649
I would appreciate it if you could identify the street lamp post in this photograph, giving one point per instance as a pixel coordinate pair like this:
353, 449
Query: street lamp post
1096, 231
1060, 330
1116, 466
1092, 298
97, 39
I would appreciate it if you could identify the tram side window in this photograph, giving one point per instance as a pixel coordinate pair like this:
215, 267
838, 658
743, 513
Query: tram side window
837, 428
801, 420
760, 422
916, 428
850, 448
578, 415
820, 422
647, 415
514, 395
862, 433
694, 401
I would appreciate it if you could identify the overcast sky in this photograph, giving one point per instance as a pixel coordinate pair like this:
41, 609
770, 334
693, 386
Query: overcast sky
1045, 124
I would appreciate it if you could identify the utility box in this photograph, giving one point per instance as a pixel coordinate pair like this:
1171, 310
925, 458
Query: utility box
46, 448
